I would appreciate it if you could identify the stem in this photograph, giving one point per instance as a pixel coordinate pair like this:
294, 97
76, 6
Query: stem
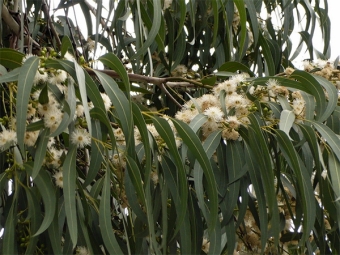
45, 9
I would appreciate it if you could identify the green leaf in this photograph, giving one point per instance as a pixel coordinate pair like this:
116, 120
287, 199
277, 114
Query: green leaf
165, 131
253, 19
69, 187
133, 172
256, 180
156, 23
40, 152
66, 44
35, 218
54, 234
286, 121
195, 146
97, 150
334, 169
258, 144
332, 94
329, 137
182, 12
47, 189
122, 107
10, 76
113, 62
315, 89
83, 93
303, 183
25, 83
234, 67
10, 58
269, 61
109, 237
243, 22
8, 243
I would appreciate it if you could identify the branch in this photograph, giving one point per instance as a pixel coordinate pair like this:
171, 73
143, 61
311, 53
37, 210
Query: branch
169, 81
45, 9
14, 26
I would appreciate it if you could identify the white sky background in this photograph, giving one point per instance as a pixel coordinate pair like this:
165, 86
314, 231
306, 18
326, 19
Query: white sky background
333, 11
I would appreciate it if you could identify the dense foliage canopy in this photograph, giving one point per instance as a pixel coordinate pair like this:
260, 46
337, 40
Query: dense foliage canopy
168, 127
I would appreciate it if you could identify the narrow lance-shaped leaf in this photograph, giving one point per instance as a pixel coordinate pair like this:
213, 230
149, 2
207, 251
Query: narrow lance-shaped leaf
69, 187
123, 109
83, 93
329, 136
195, 146
113, 62
105, 224
165, 131
303, 181
45, 187
25, 83
156, 22
286, 121
307, 80
40, 152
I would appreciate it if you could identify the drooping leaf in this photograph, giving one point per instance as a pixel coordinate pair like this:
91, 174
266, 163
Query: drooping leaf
25, 83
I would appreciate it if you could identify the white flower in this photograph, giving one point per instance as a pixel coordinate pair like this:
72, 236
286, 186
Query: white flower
119, 135
214, 113
68, 56
236, 101
205, 245
40, 76
186, 115
167, 4
152, 130
107, 101
233, 122
228, 86
230, 134
31, 138
27, 57
30, 111
7, 137
238, 78
58, 77
207, 101
58, 176
154, 177
52, 118
54, 159
324, 174
81, 250
79, 110
81, 138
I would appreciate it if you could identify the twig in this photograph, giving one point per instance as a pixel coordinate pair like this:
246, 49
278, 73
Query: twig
169, 81
71, 34
45, 9
14, 26
163, 88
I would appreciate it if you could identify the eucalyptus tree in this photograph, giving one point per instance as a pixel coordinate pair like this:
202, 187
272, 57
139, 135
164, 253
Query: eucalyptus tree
165, 127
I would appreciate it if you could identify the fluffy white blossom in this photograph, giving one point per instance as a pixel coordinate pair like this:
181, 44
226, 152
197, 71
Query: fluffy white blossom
58, 77
81, 250
107, 101
233, 122
81, 138
167, 4
58, 176
31, 138
214, 113
7, 138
